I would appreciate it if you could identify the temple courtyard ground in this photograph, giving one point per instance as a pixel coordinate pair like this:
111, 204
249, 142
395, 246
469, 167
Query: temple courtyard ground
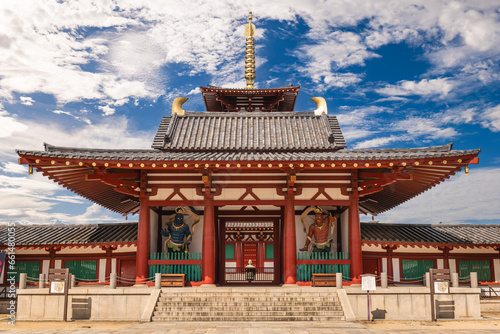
487, 325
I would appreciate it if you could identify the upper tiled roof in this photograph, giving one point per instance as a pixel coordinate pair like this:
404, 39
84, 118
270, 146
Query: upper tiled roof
244, 131
431, 234
222, 155
78, 234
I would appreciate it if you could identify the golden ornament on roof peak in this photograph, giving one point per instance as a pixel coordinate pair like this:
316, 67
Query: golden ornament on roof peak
250, 53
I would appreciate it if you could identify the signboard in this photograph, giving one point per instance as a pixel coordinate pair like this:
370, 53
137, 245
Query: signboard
368, 282
57, 287
59, 284
440, 283
441, 287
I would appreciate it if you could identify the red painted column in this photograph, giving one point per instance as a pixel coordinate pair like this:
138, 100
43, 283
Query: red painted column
208, 250
290, 242
142, 243
355, 236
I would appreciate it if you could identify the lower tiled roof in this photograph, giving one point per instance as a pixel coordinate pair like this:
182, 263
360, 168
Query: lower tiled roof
443, 151
431, 234
78, 234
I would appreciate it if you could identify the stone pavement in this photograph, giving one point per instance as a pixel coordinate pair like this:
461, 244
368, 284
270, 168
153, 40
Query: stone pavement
241, 328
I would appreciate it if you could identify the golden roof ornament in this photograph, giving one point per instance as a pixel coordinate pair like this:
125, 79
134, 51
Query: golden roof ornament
250, 53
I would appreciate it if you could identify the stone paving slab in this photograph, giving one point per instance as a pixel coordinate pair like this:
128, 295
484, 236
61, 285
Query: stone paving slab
246, 328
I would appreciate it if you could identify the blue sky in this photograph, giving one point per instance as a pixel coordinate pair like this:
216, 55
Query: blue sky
396, 73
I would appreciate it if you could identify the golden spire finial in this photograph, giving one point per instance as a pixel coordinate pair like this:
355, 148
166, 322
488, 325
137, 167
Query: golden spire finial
250, 53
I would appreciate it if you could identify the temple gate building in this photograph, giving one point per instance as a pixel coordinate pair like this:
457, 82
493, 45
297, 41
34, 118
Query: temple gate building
241, 175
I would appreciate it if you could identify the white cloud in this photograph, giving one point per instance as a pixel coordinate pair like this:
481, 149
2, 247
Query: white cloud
431, 128
194, 91
13, 168
433, 87
377, 142
461, 199
111, 132
9, 125
26, 100
62, 112
491, 118
107, 110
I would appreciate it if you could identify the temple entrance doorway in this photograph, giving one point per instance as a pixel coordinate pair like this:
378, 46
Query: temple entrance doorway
250, 251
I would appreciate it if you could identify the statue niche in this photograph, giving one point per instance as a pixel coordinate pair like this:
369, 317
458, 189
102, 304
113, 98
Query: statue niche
321, 230
178, 232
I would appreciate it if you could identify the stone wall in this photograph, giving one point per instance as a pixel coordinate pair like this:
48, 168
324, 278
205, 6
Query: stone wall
412, 303
99, 303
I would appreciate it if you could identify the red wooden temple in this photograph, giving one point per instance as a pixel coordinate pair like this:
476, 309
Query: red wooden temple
249, 166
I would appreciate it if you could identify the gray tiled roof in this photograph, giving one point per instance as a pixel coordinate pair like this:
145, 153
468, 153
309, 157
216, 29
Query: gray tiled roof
78, 234
431, 234
339, 155
244, 131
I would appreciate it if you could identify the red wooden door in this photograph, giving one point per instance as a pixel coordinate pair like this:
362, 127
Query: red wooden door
370, 266
127, 272
249, 253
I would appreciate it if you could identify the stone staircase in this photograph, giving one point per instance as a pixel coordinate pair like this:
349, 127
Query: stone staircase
248, 304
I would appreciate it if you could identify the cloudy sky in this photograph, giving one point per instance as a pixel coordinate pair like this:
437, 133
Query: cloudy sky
397, 74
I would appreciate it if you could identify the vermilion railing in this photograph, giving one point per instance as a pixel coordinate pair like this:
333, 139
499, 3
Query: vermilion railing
176, 263
322, 263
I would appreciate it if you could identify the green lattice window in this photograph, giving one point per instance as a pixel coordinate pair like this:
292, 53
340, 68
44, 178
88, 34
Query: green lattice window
481, 267
269, 252
31, 268
83, 270
415, 269
229, 251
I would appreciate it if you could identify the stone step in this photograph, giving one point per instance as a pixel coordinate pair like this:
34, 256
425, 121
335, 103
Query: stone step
188, 305
248, 318
251, 308
259, 313
255, 299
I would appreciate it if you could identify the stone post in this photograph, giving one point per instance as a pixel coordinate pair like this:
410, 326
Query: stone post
383, 280
158, 281
41, 281
22, 280
473, 280
112, 281
73, 281
454, 280
427, 279
338, 280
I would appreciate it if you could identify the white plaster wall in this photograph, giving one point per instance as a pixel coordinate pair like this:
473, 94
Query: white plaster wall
164, 193
496, 269
384, 264
153, 231
440, 263
473, 251
113, 266
453, 265
45, 268
372, 248
102, 270
396, 273
125, 249
81, 250
265, 194
30, 251
231, 194
57, 264
418, 250
308, 193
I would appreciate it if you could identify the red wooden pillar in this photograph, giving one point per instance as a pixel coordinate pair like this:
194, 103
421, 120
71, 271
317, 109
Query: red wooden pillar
355, 236
390, 270
208, 249
142, 243
290, 242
